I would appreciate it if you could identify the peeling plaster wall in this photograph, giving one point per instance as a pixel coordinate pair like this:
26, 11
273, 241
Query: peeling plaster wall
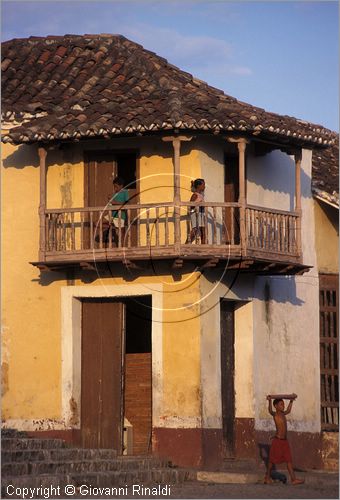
277, 331
64, 179
286, 340
273, 323
36, 396
215, 285
30, 311
286, 331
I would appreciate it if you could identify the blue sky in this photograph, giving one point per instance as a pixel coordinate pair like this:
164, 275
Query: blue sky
281, 56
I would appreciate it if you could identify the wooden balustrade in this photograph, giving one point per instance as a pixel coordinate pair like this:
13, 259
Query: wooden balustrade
271, 231
73, 231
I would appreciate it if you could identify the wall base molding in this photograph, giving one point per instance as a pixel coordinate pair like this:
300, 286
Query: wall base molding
203, 448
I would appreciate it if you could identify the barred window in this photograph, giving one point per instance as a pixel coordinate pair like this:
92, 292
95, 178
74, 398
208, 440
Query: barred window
329, 351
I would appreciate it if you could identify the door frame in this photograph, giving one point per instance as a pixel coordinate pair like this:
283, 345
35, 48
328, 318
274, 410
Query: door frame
71, 308
228, 406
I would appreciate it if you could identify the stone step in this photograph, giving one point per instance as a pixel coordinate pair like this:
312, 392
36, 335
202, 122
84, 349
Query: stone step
12, 433
58, 454
94, 480
18, 443
93, 465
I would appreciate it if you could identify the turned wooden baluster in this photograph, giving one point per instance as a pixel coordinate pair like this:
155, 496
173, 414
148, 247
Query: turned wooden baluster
167, 225
157, 226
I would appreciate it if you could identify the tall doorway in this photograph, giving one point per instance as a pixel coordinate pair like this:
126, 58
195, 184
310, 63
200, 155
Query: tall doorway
227, 331
138, 374
116, 374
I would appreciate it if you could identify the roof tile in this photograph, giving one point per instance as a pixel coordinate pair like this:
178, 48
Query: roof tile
133, 87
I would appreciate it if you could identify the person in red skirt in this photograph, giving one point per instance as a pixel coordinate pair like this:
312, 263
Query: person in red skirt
280, 450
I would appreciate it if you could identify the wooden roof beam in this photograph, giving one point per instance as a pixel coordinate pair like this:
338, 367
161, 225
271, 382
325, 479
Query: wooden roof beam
177, 264
210, 263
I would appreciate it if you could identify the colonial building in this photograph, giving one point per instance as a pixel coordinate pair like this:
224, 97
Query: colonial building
129, 335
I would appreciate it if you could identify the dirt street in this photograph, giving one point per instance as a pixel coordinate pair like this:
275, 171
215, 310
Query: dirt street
208, 490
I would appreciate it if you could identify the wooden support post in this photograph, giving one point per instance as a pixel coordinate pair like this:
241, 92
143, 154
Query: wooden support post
42, 207
241, 146
176, 142
298, 202
177, 195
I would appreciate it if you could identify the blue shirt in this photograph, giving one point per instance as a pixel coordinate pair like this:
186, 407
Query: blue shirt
122, 197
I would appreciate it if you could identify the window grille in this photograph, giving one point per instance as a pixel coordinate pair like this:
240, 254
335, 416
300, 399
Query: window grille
329, 351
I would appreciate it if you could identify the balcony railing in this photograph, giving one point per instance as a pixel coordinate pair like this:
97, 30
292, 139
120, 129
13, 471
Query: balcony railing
166, 229
272, 230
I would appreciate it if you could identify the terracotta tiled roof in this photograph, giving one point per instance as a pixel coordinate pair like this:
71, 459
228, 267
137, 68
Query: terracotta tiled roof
325, 173
73, 87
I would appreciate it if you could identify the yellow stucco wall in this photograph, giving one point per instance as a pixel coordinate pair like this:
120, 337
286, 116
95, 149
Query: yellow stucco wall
32, 301
30, 318
326, 237
65, 179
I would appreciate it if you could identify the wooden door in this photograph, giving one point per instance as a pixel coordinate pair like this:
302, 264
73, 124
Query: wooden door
231, 195
227, 328
102, 381
100, 170
101, 167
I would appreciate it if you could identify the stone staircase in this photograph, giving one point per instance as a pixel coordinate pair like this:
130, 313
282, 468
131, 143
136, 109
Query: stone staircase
51, 463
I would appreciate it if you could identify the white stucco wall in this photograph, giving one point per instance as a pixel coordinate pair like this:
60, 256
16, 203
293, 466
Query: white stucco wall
271, 180
286, 348
286, 330
211, 160
276, 328
214, 285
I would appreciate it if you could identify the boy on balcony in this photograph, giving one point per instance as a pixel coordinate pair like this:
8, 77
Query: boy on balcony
280, 450
120, 197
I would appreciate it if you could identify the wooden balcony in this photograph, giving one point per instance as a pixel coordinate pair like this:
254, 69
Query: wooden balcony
84, 237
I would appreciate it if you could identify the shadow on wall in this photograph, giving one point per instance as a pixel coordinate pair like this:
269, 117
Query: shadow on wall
259, 168
247, 286
279, 289
28, 156
110, 269
24, 156
276, 171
